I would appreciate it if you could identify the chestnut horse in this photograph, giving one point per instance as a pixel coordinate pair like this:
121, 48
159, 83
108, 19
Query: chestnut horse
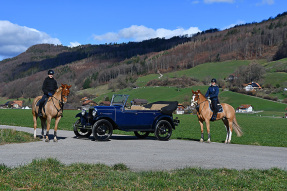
52, 109
204, 113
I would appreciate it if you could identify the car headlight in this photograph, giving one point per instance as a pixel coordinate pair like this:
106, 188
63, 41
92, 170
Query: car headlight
83, 112
94, 113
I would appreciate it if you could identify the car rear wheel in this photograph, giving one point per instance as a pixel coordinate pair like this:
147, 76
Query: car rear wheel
102, 130
79, 131
141, 134
163, 130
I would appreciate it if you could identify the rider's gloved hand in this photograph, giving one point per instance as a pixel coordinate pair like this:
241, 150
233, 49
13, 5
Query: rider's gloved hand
50, 94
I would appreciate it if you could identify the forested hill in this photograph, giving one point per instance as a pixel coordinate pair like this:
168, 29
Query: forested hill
91, 65
46, 56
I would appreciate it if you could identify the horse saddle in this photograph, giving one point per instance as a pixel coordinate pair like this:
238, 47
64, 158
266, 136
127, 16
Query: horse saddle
219, 108
45, 102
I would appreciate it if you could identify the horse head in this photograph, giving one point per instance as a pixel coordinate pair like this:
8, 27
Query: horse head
65, 92
195, 98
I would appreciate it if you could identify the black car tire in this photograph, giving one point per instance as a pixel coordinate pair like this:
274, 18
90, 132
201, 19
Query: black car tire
102, 130
141, 134
79, 132
163, 130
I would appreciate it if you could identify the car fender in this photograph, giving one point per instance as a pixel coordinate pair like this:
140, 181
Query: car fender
107, 118
163, 117
78, 115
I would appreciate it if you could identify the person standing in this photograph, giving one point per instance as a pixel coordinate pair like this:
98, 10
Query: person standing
49, 87
212, 94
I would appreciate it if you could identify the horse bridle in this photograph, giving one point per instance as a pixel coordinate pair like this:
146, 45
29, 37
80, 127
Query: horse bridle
61, 103
196, 102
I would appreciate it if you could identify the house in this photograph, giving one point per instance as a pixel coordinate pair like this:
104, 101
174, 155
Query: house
87, 104
105, 103
139, 102
17, 104
252, 86
180, 109
245, 108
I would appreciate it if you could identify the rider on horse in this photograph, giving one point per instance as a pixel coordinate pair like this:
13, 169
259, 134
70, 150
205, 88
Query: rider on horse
212, 94
49, 87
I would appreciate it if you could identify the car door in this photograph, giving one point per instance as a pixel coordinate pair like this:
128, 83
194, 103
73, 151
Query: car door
135, 120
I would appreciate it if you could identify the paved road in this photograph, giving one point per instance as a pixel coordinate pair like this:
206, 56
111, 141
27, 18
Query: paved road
147, 154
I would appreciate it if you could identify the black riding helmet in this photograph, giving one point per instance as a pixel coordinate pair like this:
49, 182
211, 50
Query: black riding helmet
213, 80
51, 72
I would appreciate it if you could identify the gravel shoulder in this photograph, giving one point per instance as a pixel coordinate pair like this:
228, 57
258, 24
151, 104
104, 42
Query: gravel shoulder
146, 154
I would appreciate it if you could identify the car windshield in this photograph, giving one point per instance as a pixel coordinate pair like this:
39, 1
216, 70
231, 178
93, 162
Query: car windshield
119, 99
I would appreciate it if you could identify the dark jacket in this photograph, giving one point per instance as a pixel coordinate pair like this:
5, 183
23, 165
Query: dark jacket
212, 92
49, 85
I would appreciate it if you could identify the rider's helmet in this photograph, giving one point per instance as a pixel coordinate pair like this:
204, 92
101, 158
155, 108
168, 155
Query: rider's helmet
51, 72
213, 80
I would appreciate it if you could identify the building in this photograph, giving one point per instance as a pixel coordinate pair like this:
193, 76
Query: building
245, 108
180, 109
17, 104
139, 102
252, 86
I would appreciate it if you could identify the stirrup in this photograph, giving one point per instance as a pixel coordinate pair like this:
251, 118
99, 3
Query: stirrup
213, 118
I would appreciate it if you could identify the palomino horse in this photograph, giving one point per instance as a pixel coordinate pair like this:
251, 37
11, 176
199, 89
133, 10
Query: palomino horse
204, 114
52, 109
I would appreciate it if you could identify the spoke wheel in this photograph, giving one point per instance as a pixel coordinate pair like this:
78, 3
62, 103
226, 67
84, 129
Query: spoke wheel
102, 130
79, 131
141, 134
163, 130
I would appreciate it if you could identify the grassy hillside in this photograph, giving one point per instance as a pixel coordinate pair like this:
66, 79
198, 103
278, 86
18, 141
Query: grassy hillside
219, 70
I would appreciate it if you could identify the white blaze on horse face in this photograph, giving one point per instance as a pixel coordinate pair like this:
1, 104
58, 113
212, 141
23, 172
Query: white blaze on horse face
192, 101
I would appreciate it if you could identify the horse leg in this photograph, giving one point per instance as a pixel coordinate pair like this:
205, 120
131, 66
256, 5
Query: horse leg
44, 126
207, 122
48, 128
230, 122
56, 127
227, 130
35, 125
201, 127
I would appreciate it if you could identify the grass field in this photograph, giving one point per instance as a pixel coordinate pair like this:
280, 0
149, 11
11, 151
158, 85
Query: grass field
265, 131
50, 174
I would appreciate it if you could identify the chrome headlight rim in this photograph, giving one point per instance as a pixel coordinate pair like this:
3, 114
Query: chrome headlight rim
94, 113
83, 112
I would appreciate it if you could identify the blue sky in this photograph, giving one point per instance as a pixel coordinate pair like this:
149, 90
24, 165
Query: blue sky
24, 23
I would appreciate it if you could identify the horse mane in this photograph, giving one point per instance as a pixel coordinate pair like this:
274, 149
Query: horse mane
59, 89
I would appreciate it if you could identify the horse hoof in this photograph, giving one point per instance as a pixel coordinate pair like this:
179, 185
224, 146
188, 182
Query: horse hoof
47, 140
208, 141
201, 140
55, 140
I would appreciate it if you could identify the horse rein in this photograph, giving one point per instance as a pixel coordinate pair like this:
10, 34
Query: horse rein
61, 103
198, 104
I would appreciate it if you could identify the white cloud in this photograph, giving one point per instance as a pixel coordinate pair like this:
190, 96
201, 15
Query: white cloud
74, 44
265, 2
219, 1
140, 33
15, 39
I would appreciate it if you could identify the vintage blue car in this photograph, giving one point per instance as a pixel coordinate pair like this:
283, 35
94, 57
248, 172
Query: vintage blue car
142, 120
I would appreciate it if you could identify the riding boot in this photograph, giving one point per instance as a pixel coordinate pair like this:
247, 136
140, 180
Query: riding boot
40, 114
214, 115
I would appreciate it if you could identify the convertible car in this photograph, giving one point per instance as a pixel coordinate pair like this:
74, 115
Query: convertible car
154, 118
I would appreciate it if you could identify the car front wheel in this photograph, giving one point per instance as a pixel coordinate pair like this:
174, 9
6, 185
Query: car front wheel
163, 130
80, 132
102, 130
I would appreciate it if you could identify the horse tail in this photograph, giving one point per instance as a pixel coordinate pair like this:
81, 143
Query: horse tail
237, 128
